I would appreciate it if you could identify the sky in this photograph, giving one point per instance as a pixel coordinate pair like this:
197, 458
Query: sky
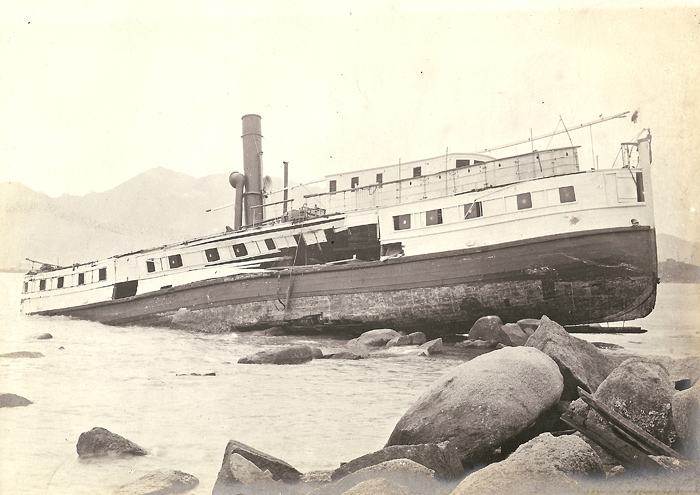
92, 93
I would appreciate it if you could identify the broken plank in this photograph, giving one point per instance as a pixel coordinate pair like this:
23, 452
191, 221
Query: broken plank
628, 428
627, 455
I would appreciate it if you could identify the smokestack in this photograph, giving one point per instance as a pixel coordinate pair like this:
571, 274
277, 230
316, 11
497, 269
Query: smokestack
252, 168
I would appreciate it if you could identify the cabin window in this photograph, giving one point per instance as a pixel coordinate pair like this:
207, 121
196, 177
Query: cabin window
240, 250
59, 283
102, 274
473, 210
81, 279
402, 222
175, 261
640, 187
212, 254
524, 201
433, 217
42, 284
354, 182
416, 172
270, 244
332, 185
463, 163
150, 266
26, 287
380, 178
567, 194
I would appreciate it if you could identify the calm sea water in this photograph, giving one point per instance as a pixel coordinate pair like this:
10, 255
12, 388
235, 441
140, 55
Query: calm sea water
314, 416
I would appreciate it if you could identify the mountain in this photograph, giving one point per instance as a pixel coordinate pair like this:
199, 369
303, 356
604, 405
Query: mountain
157, 207
675, 248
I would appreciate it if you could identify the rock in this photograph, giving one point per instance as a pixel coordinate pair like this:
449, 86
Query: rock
273, 332
580, 363
432, 347
685, 368
377, 486
417, 338
100, 442
317, 353
482, 403
160, 482
398, 341
321, 476
641, 390
442, 460
477, 344
486, 328
376, 338
356, 348
545, 464
44, 336
279, 470
243, 477
296, 354
686, 418
22, 354
12, 400
405, 472
528, 325
511, 334
345, 355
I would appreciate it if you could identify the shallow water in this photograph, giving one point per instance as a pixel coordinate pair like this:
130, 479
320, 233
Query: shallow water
313, 416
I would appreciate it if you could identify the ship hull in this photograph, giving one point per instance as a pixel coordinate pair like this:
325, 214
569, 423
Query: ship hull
583, 277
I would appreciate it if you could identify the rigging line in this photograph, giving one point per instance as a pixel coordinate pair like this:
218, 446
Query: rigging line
567, 130
553, 134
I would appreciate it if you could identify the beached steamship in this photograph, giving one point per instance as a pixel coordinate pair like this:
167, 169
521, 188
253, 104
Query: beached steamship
431, 244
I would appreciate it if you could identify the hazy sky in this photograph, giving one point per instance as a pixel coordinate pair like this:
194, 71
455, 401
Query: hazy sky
93, 93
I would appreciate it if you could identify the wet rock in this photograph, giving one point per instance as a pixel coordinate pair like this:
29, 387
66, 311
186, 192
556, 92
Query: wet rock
686, 418
399, 341
641, 390
685, 368
431, 347
317, 353
511, 334
296, 354
580, 363
346, 355
102, 442
44, 336
545, 464
243, 477
273, 332
377, 486
442, 460
528, 325
321, 476
12, 400
480, 404
417, 338
418, 479
477, 344
160, 482
486, 328
356, 348
279, 470
376, 338
22, 354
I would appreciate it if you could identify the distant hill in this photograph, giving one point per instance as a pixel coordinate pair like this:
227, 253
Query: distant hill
672, 247
157, 207
676, 271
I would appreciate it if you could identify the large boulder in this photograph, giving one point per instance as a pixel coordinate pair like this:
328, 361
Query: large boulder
377, 486
545, 464
418, 479
443, 461
482, 403
296, 354
640, 390
486, 328
528, 325
512, 334
580, 362
686, 418
401, 340
431, 347
160, 482
376, 338
244, 477
417, 338
102, 442
12, 400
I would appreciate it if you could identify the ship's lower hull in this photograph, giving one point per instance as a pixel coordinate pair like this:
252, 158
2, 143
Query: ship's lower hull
587, 277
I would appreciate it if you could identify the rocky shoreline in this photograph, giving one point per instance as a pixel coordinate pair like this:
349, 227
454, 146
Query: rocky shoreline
498, 423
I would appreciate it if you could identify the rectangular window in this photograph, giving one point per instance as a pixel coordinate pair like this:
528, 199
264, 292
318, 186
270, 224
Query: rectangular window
150, 266
59, 283
473, 210
212, 254
433, 217
416, 172
354, 182
402, 222
270, 243
462, 163
175, 261
524, 201
81, 279
26, 287
380, 178
567, 194
102, 274
240, 250
42, 284
332, 186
